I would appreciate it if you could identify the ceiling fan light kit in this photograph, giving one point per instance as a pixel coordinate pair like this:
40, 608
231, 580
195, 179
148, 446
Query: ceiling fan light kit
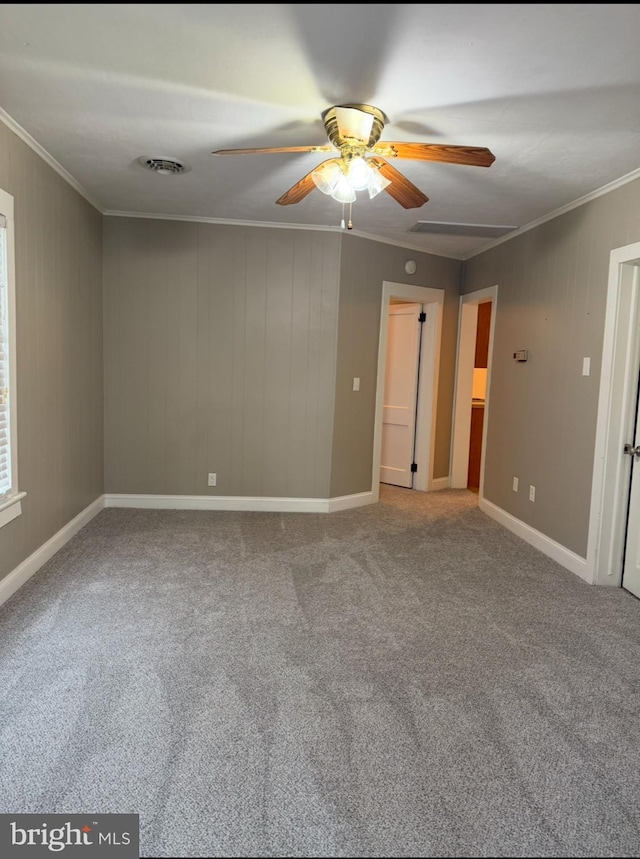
360, 159
340, 178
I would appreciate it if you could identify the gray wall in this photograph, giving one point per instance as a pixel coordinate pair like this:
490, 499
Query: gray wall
220, 348
59, 349
552, 284
365, 265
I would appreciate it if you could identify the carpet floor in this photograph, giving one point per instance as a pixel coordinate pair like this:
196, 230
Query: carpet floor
402, 679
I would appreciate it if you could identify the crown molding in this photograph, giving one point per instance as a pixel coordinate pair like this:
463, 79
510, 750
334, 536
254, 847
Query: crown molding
587, 198
32, 143
399, 243
202, 219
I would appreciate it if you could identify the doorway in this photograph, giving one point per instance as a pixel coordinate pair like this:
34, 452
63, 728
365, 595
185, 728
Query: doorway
473, 376
432, 301
479, 395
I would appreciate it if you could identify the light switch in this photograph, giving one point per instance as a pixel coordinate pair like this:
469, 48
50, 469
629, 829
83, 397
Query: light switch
586, 366
356, 383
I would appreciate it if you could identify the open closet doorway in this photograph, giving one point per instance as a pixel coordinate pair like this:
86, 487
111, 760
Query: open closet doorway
471, 404
432, 302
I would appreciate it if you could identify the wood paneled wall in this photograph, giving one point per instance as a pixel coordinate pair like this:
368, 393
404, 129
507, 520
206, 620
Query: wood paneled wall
220, 350
58, 243
365, 265
552, 286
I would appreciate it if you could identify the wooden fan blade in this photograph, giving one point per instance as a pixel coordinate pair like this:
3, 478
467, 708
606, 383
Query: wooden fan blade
300, 190
273, 149
475, 156
401, 189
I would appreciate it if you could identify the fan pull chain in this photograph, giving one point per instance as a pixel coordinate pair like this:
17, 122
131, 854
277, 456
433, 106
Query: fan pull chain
342, 221
350, 224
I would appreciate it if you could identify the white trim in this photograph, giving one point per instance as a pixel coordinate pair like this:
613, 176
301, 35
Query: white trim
440, 483
402, 243
201, 219
347, 502
563, 556
239, 502
433, 302
32, 143
330, 228
11, 508
611, 470
465, 359
23, 572
587, 198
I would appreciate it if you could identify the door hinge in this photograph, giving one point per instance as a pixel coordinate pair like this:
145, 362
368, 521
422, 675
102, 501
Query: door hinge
422, 317
414, 467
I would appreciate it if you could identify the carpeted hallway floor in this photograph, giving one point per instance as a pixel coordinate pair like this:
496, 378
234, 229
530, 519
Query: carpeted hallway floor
404, 679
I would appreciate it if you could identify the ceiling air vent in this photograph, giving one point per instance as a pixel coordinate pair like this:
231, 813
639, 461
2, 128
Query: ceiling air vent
163, 166
446, 229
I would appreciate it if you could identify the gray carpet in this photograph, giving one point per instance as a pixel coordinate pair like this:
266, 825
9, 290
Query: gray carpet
404, 679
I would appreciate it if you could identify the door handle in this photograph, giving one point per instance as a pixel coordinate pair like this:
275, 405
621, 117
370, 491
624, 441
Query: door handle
631, 450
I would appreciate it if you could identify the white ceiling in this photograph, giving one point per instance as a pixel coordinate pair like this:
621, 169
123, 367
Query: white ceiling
552, 90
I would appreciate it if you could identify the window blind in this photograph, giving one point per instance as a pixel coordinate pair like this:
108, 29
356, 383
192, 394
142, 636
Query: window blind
5, 402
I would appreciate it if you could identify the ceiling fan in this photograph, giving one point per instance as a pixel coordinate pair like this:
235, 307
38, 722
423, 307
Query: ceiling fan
361, 159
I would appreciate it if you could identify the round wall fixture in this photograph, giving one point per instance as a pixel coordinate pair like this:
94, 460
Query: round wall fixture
410, 266
163, 166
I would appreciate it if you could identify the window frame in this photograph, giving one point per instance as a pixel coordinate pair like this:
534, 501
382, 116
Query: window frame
10, 502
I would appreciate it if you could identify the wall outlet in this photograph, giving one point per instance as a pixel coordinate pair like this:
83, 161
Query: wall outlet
532, 493
515, 484
212, 479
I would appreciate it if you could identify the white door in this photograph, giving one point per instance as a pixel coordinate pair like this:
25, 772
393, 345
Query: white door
631, 568
400, 394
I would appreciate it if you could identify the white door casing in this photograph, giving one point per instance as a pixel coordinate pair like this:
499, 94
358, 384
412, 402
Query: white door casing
616, 418
400, 394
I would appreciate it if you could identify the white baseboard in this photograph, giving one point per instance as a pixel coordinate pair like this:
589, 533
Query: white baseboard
346, 502
440, 483
559, 553
23, 572
239, 503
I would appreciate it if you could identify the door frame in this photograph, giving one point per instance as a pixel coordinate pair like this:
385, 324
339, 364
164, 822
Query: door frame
432, 301
463, 393
618, 376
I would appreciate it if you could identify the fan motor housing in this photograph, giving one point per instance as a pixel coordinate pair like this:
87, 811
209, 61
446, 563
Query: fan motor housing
380, 119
